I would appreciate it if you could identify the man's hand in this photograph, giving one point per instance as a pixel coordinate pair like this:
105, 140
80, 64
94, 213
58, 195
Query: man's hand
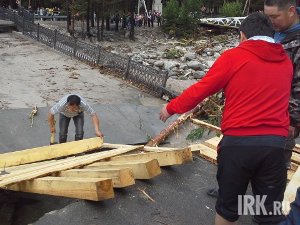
164, 115
52, 129
98, 133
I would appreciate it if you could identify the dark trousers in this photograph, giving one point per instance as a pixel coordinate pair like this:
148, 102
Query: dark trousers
263, 166
64, 125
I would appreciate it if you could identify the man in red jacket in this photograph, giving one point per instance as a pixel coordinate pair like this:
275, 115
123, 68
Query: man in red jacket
256, 79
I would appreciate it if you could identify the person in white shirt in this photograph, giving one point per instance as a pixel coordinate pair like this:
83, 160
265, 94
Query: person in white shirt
72, 106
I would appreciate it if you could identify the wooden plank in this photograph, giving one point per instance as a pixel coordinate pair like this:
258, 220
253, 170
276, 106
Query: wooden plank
207, 125
161, 149
122, 177
25, 166
295, 158
291, 189
290, 174
294, 166
205, 152
39, 171
49, 152
109, 145
142, 169
166, 158
94, 189
213, 142
297, 148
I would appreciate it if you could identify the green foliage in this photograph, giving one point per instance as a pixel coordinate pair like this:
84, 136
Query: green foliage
211, 113
232, 9
79, 7
180, 21
195, 134
173, 53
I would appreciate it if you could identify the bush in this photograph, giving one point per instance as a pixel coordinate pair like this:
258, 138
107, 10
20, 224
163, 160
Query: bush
232, 9
180, 21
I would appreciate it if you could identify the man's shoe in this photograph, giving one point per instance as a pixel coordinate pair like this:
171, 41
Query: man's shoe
213, 192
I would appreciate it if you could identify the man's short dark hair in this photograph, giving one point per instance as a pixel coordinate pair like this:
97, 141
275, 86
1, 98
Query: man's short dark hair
281, 4
257, 24
73, 100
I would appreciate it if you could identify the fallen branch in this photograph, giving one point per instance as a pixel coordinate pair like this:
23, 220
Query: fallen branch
207, 125
166, 132
144, 192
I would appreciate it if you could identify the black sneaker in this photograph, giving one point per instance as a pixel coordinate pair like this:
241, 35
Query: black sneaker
213, 192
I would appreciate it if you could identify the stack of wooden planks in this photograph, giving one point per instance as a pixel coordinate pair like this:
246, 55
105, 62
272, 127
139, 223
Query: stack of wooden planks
93, 174
208, 151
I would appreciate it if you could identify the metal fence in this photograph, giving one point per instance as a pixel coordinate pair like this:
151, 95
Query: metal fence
151, 79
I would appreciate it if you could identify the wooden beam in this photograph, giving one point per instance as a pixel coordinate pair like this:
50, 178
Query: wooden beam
291, 190
295, 158
49, 152
42, 170
109, 145
143, 169
207, 125
94, 189
297, 148
290, 174
213, 142
205, 152
122, 177
166, 158
161, 149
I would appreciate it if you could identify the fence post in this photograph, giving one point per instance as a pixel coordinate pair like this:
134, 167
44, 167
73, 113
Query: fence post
55, 38
99, 53
126, 74
38, 32
23, 25
75, 47
164, 82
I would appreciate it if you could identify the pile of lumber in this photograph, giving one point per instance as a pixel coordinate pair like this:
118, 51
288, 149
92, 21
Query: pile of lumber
87, 169
208, 151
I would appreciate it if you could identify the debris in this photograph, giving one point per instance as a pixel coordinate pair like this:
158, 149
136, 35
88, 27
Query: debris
144, 192
32, 114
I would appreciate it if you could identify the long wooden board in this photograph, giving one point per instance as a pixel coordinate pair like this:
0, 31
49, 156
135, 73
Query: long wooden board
291, 189
121, 177
94, 189
49, 152
142, 169
205, 152
57, 166
165, 158
205, 124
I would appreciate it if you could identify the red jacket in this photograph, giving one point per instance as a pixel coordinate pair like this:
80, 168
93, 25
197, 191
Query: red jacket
256, 77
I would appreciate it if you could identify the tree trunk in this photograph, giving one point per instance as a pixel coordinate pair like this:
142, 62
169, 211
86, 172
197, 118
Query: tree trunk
98, 22
69, 16
88, 33
132, 9
166, 132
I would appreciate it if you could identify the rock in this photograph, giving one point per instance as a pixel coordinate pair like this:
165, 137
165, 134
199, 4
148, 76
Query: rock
190, 56
184, 67
195, 65
182, 59
217, 55
159, 64
208, 50
218, 48
173, 73
210, 63
182, 78
198, 74
168, 65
